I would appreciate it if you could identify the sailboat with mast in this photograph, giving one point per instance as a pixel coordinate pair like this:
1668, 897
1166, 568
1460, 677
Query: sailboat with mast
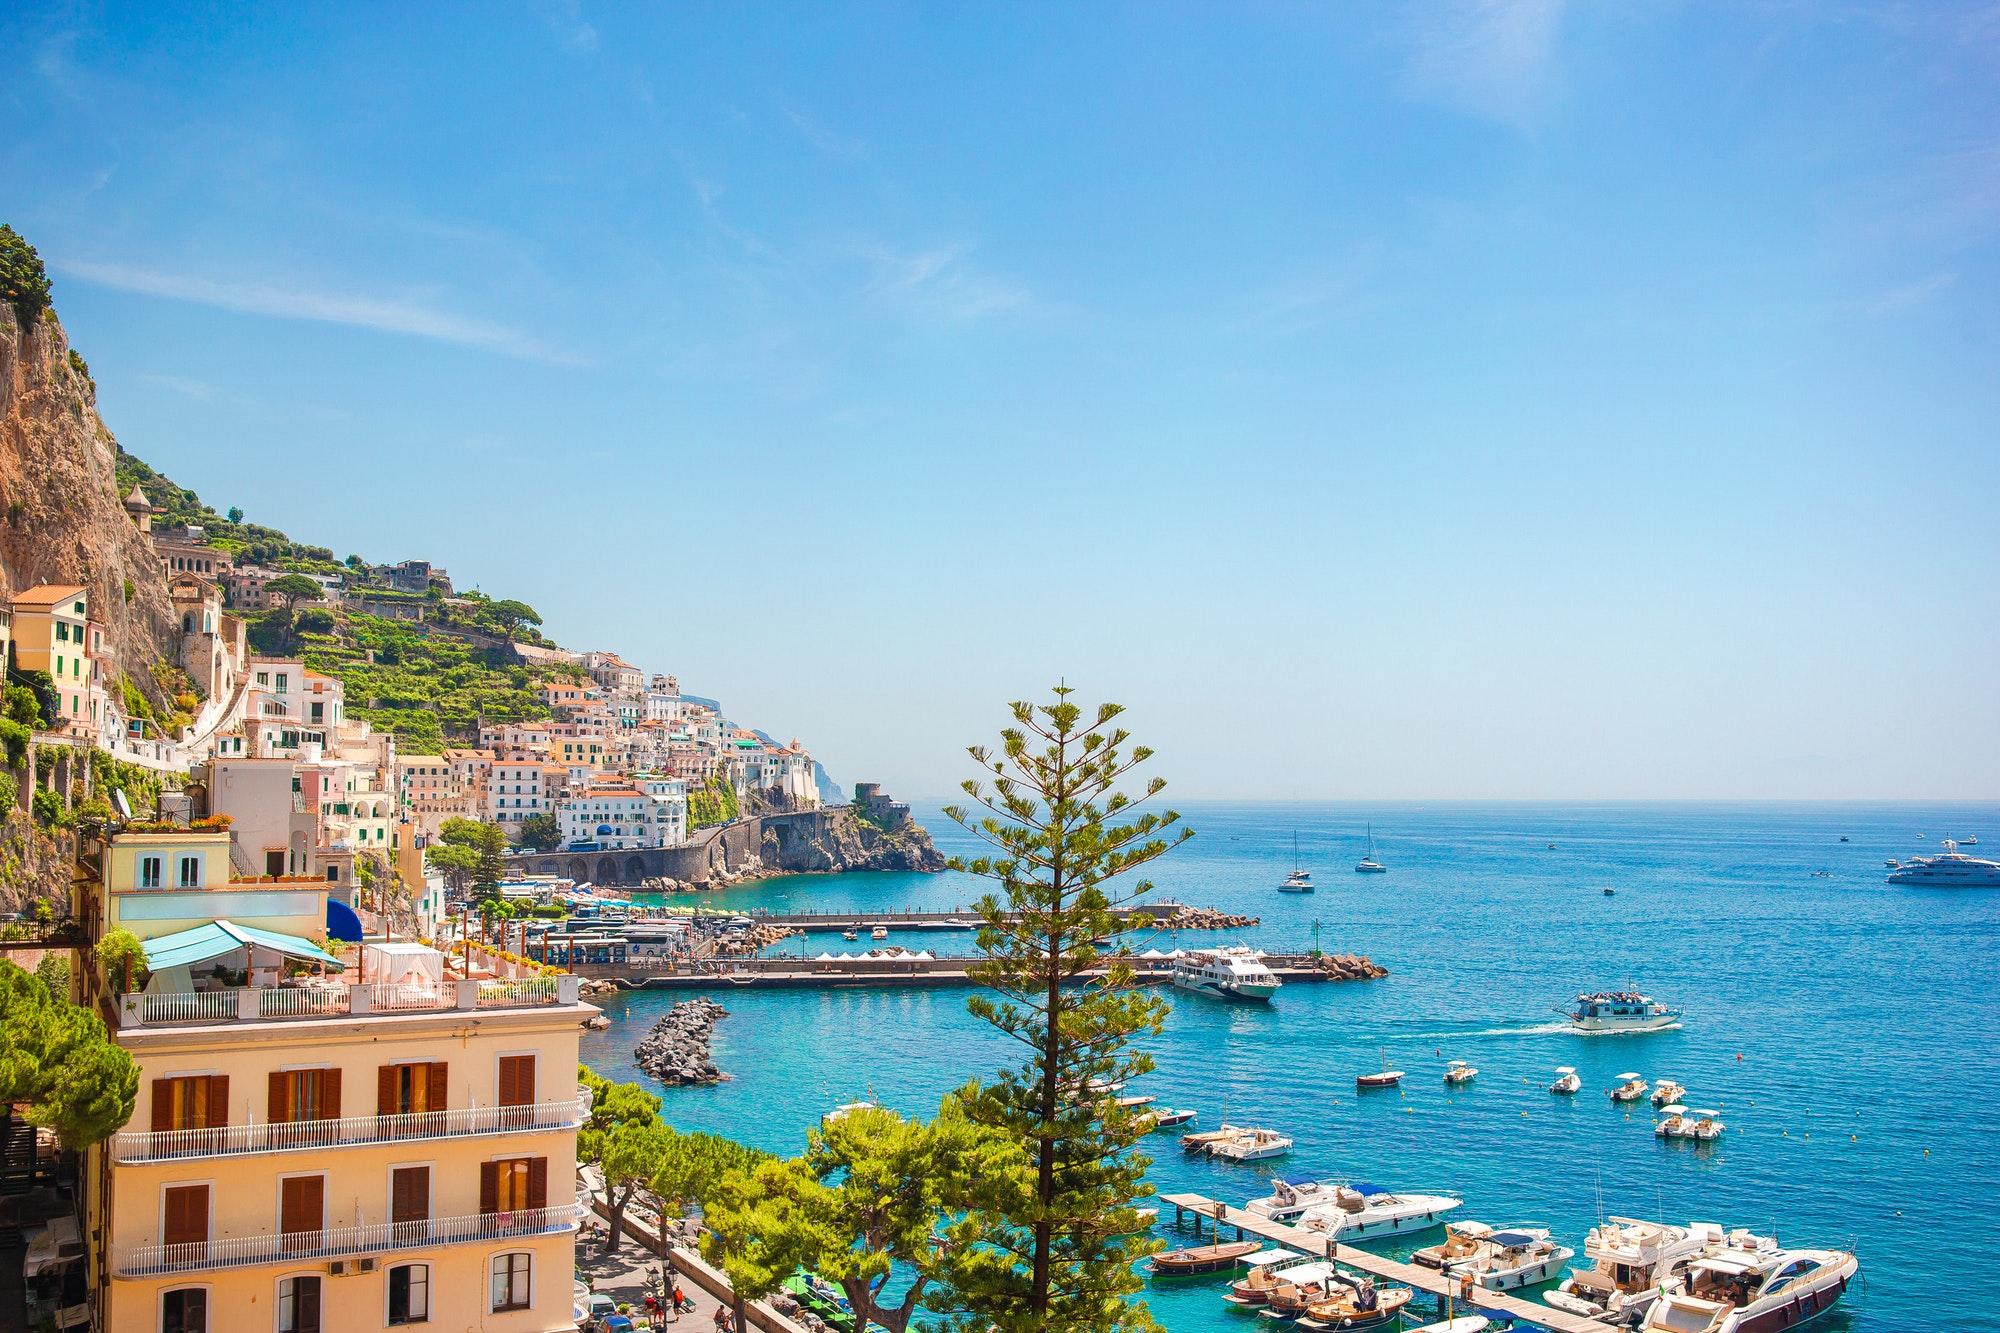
1368, 865
1301, 879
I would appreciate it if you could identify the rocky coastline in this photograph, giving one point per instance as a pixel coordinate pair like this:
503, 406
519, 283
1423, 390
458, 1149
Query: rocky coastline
676, 1050
1204, 918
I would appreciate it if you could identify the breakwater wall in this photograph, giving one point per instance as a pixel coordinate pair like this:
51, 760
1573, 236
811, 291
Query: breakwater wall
906, 971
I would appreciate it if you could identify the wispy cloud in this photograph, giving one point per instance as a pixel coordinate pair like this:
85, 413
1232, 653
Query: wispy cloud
1314, 299
1911, 293
386, 316
566, 19
940, 283
825, 139
1486, 56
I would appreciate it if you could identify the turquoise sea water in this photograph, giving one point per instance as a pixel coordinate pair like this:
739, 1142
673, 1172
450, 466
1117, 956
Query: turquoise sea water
1848, 1028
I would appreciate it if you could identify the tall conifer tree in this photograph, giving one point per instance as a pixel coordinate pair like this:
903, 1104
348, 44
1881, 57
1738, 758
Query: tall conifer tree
1057, 1251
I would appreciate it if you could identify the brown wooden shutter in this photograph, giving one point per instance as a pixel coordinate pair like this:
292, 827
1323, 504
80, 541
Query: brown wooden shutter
538, 1182
410, 1194
489, 1187
329, 1094
517, 1080
302, 1204
438, 1086
385, 1090
280, 1112
163, 1105
186, 1214
218, 1100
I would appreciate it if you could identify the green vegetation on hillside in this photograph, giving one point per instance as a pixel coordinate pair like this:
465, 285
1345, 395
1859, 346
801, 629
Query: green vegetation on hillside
429, 685
24, 283
712, 803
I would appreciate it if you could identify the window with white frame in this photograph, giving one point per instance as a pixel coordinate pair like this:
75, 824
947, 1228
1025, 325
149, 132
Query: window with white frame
150, 869
299, 1304
188, 871
410, 1294
512, 1275
184, 1310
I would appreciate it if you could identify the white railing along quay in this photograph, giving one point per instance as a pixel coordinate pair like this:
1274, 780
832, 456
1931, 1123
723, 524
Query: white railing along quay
229, 1140
338, 1242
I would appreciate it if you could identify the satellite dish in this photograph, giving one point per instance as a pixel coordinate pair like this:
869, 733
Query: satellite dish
123, 806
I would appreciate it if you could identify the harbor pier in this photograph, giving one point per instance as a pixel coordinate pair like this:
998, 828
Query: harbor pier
901, 971
1222, 1216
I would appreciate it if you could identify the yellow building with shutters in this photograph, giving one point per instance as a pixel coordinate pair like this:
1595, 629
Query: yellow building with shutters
381, 1146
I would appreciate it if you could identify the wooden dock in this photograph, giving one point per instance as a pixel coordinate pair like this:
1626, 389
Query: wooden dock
1221, 1216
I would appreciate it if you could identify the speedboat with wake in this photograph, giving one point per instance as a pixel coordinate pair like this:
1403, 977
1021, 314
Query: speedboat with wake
1627, 1263
1605, 1013
1363, 1212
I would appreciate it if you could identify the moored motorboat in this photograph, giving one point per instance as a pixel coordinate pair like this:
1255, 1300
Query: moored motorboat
1759, 1285
879, 933
1627, 1263
1361, 1306
1631, 1087
1609, 1012
1708, 1127
1461, 1241
1250, 1145
1301, 1287
1290, 1197
1567, 1082
1383, 1078
1203, 1258
1199, 1141
1672, 1123
1254, 1287
1362, 1212
1165, 1117
850, 934
1666, 1090
1460, 1072
1516, 1257
1465, 1323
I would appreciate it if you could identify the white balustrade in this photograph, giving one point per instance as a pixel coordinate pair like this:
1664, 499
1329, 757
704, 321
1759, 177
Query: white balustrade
186, 1006
227, 1140
338, 1242
512, 994
300, 1002
393, 995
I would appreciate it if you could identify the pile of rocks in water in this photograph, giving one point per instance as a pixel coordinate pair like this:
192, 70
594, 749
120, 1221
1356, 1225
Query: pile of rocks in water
1351, 966
676, 1050
1206, 918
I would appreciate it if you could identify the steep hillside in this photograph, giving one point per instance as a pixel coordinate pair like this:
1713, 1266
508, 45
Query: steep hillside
61, 517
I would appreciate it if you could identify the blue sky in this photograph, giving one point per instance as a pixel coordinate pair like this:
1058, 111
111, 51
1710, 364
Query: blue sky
1447, 400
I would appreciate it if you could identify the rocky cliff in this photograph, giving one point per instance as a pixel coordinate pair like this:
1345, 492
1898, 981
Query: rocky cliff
61, 517
841, 840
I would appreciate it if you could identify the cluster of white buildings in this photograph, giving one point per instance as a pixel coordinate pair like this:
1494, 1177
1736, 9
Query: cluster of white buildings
309, 790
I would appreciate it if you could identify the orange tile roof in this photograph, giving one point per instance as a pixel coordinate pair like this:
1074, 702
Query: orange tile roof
48, 594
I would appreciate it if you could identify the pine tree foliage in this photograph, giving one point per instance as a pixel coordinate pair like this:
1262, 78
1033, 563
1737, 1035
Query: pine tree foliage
1058, 1253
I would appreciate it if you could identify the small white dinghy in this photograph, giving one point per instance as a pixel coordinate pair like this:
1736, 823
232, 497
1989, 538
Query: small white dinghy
1465, 1323
1567, 1082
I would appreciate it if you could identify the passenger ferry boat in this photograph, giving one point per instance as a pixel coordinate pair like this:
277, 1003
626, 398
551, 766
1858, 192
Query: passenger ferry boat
1230, 972
1619, 1011
1949, 869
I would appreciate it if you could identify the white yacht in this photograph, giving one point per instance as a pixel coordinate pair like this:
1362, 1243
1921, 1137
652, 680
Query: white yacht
1289, 1198
1951, 868
1250, 1145
1619, 1011
1367, 1212
1368, 865
1516, 1257
1301, 879
1567, 1081
1230, 971
1748, 1284
1628, 1264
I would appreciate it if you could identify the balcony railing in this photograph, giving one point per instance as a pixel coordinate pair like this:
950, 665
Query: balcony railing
133, 1261
249, 1004
229, 1140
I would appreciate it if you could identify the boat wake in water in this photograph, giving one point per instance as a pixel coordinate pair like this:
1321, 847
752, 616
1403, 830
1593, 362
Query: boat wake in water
1534, 1030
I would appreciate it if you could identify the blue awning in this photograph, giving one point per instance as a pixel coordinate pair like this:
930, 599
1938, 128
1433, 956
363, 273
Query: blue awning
341, 922
187, 947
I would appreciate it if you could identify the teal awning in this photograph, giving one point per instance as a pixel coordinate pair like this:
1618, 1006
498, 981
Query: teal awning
187, 947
